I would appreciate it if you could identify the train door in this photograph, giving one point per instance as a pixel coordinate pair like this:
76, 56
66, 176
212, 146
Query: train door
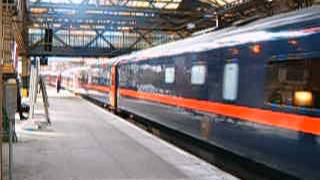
114, 87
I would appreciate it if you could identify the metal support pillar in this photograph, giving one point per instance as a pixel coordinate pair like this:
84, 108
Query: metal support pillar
1, 92
6, 67
1, 87
25, 76
10, 99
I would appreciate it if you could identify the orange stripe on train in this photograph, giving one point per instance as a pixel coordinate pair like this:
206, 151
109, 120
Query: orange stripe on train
97, 87
284, 120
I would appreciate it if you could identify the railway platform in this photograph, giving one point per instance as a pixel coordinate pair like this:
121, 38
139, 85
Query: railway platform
86, 142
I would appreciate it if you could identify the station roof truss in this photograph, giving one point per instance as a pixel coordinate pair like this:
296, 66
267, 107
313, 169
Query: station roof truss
114, 27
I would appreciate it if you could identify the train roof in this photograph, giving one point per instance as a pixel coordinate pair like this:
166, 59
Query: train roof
256, 31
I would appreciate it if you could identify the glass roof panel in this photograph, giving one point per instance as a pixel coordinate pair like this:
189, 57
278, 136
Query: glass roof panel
172, 6
219, 2
76, 1
56, 1
160, 4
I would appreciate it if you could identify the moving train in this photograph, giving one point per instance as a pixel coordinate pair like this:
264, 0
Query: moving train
252, 89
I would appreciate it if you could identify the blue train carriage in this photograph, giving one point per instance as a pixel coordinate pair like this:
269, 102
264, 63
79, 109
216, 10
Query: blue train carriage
95, 81
253, 90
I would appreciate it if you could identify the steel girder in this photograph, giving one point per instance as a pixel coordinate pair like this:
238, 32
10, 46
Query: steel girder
144, 27
138, 18
116, 17
79, 52
97, 42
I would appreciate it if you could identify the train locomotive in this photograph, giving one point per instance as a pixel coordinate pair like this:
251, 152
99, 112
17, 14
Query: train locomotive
252, 89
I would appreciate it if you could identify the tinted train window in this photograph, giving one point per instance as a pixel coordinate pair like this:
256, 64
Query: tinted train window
230, 81
294, 83
169, 75
198, 74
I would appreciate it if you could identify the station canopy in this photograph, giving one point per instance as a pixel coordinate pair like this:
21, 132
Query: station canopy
114, 27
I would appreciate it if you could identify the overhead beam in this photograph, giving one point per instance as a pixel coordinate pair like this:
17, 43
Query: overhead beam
100, 43
114, 8
108, 17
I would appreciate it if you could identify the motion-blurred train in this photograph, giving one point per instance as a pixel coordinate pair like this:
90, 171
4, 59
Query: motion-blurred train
252, 89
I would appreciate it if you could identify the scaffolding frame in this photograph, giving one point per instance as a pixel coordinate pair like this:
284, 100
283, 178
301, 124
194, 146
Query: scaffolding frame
7, 10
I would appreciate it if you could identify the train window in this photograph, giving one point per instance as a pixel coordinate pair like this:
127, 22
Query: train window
230, 81
294, 83
198, 74
169, 75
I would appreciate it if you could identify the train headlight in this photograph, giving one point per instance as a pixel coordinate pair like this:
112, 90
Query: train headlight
303, 98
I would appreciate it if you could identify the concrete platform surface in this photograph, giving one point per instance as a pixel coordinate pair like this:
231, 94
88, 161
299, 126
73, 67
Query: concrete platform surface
86, 142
